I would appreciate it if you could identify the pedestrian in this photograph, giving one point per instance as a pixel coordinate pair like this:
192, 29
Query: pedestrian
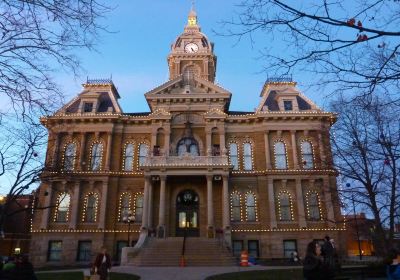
328, 251
393, 266
102, 264
295, 257
313, 267
24, 269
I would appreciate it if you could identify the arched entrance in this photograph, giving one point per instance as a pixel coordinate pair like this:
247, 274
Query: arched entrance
187, 213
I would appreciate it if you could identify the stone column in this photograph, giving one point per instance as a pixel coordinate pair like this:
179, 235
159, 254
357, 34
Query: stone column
300, 204
56, 150
321, 149
208, 143
82, 152
150, 208
145, 216
161, 213
328, 202
166, 142
225, 202
75, 205
47, 203
103, 205
294, 149
267, 151
271, 202
108, 152
222, 144
210, 208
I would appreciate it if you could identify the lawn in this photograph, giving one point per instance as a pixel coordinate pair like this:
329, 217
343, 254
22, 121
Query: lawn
287, 274
79, 276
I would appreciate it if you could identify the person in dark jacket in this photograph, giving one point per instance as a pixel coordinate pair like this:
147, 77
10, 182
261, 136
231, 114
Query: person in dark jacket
328, 251
393, 265
23, 269
313, 267
102, 264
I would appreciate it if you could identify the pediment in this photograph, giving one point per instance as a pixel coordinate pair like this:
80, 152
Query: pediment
160, 113
196, 86
215, 113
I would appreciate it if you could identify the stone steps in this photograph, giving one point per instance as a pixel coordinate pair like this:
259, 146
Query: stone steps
198, 252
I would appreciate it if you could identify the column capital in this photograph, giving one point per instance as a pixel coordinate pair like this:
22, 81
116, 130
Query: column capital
163, 177
279, 133
209, 177
293, 131
306, 131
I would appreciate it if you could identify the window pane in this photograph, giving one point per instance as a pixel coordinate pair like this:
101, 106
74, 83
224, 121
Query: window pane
253, 248
285, 205
64, 201
280, 155
182, 219
247, 156
84, 250
307, 154
54, 251
128, 161
233, 152
91, 208
96, 156
289, 246
313, 207
194, 150
288, 105
143, 152
237, 247
250, 207
139, 208
194, 220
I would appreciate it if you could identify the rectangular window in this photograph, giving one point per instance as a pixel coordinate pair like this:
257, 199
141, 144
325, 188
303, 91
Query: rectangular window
54, 251
289, 246
120, 245
84, 251
252, 245
233, 156
237, 246
288, 106
88, 107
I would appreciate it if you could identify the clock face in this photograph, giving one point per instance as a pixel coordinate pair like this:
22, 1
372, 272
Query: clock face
191, 48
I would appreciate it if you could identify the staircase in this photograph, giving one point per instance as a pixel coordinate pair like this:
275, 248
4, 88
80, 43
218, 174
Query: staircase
167, 252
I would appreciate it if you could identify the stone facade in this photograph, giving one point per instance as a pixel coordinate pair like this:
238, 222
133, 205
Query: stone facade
260, 180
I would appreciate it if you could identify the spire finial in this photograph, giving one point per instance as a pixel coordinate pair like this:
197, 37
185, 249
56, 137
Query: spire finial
192, 19
193, 5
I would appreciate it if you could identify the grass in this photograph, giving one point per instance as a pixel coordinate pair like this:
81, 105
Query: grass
79, 276
287, 274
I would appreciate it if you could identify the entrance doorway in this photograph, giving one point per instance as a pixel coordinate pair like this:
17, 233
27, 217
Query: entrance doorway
187, 213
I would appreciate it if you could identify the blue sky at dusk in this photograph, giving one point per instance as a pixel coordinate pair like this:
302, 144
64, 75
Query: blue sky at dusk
135, 52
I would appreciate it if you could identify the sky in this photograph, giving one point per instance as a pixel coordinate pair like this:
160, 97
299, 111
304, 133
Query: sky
134, 53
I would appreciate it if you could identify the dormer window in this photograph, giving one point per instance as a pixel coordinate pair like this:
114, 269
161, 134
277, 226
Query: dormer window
88, 107
288, 105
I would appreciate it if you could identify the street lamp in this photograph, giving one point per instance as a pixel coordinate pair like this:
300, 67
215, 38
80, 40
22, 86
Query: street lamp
2, 215
128, 218
355, 220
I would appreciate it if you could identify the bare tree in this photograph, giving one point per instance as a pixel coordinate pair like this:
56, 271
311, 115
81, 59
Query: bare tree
352, 45
366, 146
38, 37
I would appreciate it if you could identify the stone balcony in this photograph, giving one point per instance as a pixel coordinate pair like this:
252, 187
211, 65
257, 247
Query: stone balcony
185, 161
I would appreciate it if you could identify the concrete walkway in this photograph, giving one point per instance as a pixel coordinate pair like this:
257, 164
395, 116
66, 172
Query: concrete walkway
185, 273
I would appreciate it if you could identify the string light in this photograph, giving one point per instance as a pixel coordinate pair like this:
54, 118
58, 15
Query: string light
248, 206
130, 142
280, 140
284, 192
307, 140
100, 143
60, 198
120, 204
64, 154
85, 206
310, 192
238, 194
288, 229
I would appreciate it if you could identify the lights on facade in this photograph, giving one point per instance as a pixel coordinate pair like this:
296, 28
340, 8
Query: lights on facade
248, 207
124, 156
86, 204
63, 201
277, 141
311, 192
121, 206
69, 164
290, 200
304, 161
233, 204
94, 157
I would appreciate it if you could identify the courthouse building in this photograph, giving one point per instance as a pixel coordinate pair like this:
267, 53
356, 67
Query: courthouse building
259, 180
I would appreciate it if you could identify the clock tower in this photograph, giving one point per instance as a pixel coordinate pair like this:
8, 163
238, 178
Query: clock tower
192, 53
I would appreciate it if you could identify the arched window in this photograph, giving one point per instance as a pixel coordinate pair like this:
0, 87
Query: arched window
138, 207
188, 145
247, 156
307, 155
90, 210
313, 206
62, 210
280, 155
124, 205
128, 157
143, 152
285, 207
251, 215
96, 156
236, 211
233, 155
69, 157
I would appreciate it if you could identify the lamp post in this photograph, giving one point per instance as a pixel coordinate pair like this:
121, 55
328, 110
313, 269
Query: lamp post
2, 215
128, 218
355, 221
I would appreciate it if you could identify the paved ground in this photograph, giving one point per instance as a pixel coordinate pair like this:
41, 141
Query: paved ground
186, 273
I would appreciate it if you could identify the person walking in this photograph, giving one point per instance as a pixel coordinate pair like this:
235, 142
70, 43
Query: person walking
102, 264
313, 267
328, 251
23, 269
